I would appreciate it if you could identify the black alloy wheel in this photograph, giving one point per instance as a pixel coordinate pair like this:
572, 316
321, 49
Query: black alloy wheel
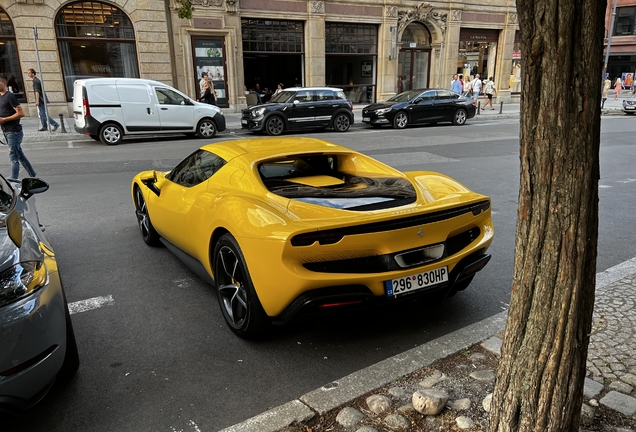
206, 128
341, 123
238, 300
274, 126
460, 117
401, 120
111, 134
148, 233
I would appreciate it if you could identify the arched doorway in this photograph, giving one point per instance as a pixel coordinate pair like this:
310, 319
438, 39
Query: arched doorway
9, 62
414, 58
96, 40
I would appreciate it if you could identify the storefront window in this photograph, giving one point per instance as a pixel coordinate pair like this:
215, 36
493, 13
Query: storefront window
272, 36
208, 57
477, 52
95, 40
9, 63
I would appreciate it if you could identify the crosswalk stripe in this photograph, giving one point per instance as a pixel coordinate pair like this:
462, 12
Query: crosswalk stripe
90, 304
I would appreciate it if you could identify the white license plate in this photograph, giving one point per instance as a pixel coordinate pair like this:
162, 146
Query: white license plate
416, 282
630, 107
366, 119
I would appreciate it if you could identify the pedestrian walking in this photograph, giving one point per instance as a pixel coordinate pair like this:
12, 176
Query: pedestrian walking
476, 87
618, 86
10, 114
490, 90
456, 85
606, 86
467, 86
39, 102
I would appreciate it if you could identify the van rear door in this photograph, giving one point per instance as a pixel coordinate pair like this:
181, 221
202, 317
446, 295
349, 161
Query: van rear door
79, 95
138, 108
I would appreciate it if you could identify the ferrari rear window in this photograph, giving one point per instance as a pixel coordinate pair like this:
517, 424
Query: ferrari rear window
315, 179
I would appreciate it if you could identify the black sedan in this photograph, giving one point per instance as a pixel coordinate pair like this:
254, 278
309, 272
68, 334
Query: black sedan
420, 106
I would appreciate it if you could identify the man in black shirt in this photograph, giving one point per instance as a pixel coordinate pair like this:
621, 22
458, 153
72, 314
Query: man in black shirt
10, 114
39, 102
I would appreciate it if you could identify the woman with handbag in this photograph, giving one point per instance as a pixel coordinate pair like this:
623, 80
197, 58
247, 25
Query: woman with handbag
209, 94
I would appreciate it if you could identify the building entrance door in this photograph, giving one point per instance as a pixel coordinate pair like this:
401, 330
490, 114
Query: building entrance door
414, 68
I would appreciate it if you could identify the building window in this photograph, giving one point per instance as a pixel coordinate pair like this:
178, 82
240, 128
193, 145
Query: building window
272, 36
9, 62
95, 40
343, 38
625, 21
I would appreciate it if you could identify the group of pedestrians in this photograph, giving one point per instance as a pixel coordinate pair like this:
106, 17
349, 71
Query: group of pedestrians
473, 88
10, 114
618, 86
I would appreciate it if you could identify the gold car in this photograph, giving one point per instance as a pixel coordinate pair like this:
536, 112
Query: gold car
280, 225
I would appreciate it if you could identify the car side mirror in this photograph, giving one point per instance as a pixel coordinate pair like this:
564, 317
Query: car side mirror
296, 102
32, 186
416, 101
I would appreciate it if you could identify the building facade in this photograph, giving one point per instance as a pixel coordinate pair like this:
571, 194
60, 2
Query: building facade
622, 53
370, 48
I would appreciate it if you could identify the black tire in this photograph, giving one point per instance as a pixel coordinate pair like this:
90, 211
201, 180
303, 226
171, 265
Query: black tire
71, 355
238, 300
459, 118
274, 126
111, 134
206, 128
401, 120
148, 233
95, 137
341, 123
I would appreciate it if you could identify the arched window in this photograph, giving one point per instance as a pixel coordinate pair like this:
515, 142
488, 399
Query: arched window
96, 40
9, 63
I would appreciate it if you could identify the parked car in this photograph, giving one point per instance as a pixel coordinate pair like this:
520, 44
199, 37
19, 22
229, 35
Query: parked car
109, 108
37, 343
301, 108
281, 225
629, 105
420, 106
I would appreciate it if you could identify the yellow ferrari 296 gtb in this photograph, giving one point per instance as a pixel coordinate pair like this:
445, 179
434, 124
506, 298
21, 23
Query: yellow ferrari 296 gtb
279, 225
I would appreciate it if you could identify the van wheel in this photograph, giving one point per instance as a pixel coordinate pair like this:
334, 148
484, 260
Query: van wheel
206, 128
111, 134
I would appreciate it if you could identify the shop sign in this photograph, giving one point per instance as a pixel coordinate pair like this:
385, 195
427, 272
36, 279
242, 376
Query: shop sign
208, 57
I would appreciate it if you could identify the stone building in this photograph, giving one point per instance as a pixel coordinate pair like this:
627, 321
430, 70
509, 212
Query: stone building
370, 48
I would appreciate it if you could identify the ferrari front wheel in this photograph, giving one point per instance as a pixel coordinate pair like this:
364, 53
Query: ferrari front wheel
148, 233
238, 300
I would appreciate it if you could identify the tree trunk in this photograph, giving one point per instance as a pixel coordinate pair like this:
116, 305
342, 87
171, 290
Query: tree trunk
540, 377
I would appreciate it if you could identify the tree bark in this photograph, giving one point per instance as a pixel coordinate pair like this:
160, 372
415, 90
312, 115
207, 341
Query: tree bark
540, 378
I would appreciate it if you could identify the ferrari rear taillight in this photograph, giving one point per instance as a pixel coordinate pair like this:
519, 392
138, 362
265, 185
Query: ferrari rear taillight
86, 109
338, 304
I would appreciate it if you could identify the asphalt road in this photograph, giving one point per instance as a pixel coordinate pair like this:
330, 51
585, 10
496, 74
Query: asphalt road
159, 356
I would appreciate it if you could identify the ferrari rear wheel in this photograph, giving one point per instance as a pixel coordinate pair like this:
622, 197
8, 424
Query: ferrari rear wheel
148, 233
238, 300
401, 120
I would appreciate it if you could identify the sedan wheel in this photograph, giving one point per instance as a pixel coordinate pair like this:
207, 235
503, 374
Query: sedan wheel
111, 134
341, 123
274, 126
460, 117
401, 120
206, 129
148, 233
238, 300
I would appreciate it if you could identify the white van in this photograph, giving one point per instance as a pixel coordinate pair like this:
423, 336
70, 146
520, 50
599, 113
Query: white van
109, 108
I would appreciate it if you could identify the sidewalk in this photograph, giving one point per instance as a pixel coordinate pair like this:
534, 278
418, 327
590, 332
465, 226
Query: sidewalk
233, 120
388, 395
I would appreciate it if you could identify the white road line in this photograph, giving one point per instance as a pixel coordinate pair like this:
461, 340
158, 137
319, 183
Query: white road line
90, 304
70, 144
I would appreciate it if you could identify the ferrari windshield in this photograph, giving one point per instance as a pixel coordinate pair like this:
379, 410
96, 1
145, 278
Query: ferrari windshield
405, 96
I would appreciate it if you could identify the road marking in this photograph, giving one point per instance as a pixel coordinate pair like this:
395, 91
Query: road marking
629, 180
90, 304
70, 144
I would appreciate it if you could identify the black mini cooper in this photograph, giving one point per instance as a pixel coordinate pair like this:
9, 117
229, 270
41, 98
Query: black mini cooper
300, 108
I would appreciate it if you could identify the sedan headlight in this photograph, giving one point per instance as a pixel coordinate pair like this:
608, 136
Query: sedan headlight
382, 111
22, 280
258, 112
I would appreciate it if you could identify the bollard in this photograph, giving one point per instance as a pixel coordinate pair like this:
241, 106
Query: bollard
603, 103
478, 107
500, 107
62, 123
